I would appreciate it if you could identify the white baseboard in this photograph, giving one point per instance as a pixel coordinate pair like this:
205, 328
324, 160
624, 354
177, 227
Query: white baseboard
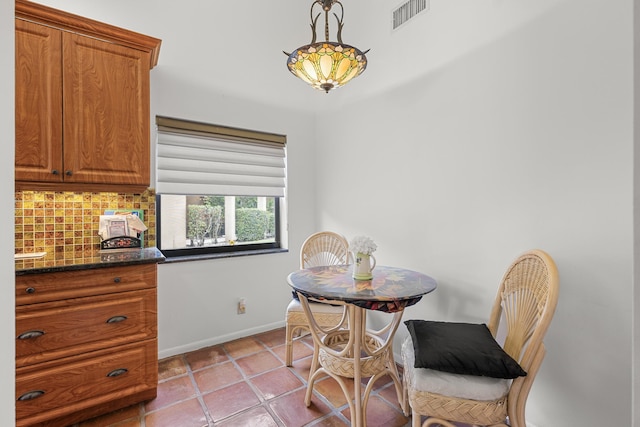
168, 352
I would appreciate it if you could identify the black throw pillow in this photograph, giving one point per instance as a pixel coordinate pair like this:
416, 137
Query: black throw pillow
460, 348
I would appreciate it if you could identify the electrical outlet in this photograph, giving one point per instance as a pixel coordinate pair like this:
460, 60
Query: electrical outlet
242, 306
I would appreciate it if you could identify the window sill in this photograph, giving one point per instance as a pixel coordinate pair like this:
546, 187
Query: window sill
200, 257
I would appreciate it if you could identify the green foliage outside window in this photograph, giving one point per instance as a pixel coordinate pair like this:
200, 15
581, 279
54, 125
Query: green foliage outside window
203, 221
246, 202
206, 222
253, 224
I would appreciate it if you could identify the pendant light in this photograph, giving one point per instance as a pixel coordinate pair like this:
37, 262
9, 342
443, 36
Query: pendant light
327, 65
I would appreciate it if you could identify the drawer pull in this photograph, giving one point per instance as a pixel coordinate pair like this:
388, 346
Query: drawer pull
30, 334
117, 372
30, 395
30, 290
117, 280
117, 319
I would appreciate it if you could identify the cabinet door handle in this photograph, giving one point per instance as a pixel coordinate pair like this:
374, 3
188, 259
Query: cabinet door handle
30, 334
68, 173
30, 290
116, 280
30, 395
117, 372
117, 319
55, 172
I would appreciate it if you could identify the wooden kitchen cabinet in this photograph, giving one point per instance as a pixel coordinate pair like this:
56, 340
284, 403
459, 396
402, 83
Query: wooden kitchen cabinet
82, 102
86, 343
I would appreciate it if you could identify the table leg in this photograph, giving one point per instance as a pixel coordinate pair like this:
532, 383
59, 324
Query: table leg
355, 345
358, 419
385, 336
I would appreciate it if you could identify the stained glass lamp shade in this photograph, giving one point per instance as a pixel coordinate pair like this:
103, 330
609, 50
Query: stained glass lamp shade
326, 65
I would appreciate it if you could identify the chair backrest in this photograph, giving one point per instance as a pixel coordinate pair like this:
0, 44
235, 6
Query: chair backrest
526, 301
324, 248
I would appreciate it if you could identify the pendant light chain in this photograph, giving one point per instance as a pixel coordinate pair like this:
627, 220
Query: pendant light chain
326, 25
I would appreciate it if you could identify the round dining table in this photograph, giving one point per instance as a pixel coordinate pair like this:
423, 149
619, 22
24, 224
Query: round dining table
391, 290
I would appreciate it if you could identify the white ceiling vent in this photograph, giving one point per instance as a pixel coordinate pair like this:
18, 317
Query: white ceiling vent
406, 11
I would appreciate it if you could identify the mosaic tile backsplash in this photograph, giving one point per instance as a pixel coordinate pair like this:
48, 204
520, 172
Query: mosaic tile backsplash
66, 223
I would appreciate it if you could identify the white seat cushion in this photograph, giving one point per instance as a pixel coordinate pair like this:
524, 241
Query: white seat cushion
316, 307
456, 385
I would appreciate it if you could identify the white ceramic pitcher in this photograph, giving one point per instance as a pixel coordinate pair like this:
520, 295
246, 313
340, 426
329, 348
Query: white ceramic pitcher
363, 266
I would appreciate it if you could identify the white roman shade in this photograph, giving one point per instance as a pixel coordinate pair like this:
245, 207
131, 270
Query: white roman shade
202, 159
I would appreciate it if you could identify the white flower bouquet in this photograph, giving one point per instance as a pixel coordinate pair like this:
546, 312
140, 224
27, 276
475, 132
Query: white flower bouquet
362, 245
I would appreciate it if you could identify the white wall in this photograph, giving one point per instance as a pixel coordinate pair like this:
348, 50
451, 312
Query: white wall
482, 129
636, 217
228, 50
7, 277
197, 301
506, 138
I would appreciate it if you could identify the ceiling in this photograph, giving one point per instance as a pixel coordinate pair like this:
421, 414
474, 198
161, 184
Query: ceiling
232, 49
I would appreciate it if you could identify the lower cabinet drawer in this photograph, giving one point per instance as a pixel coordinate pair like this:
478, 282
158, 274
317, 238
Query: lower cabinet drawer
62, 285
57, 329
54, 389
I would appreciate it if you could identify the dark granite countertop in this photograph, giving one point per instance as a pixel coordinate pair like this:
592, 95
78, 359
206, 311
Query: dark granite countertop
98, 259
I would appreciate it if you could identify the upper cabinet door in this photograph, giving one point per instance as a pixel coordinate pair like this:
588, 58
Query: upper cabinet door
82, 102
106, 112
38, 92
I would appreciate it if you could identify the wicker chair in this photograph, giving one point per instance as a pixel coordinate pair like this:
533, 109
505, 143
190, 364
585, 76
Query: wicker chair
320, 249
526, 302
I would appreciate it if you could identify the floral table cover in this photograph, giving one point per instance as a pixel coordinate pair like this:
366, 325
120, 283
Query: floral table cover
391, 289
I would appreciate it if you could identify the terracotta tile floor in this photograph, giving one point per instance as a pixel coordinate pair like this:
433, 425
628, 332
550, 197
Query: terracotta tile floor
245, 383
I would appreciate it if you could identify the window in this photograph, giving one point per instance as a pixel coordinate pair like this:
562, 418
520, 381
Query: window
219, 189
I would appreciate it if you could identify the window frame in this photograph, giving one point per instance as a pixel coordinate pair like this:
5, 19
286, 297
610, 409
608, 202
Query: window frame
187, 127
221, 251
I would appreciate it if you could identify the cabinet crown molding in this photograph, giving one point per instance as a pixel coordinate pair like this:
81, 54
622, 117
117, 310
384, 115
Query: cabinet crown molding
66, 21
